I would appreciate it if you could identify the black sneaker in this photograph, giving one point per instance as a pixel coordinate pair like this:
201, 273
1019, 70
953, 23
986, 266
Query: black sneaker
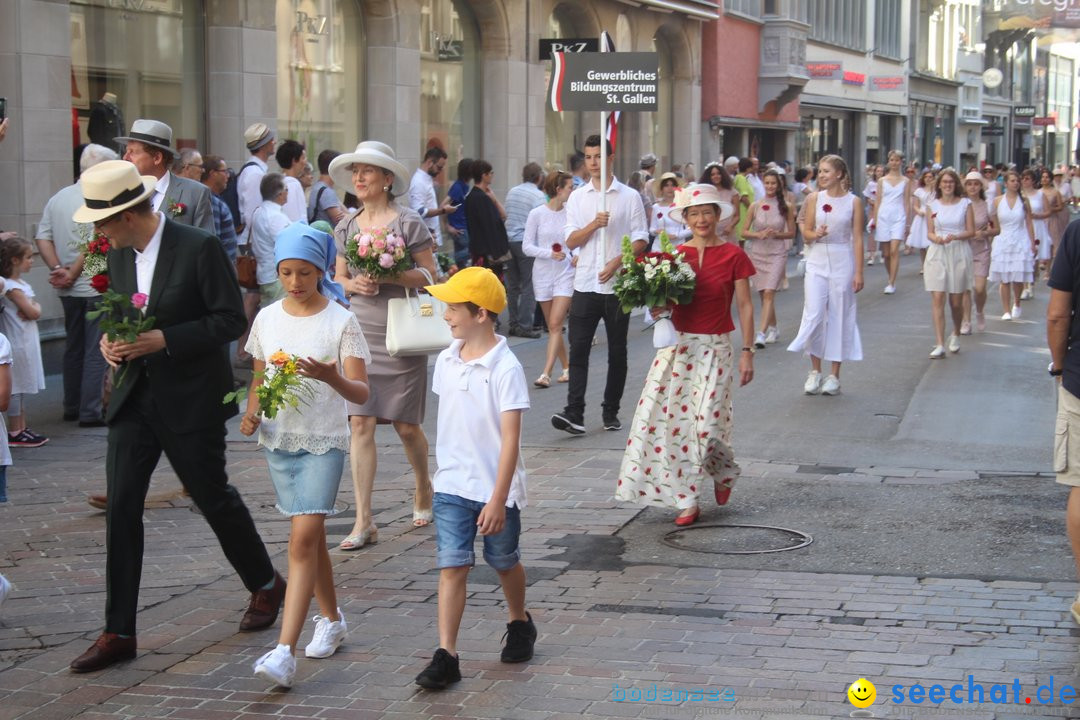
440, 672
518, 331
560, 421
26, 438
612, 423
520, 637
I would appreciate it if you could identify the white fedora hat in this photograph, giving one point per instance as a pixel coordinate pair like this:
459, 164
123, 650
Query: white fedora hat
369, 152
110, 187
150, 132
700, 194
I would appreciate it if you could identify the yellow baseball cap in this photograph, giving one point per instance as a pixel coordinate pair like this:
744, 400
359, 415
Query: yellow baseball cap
477, 285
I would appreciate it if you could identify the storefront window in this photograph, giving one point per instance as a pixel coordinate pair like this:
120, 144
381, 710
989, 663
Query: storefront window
450, 116
820, 136
320, 73
141, 60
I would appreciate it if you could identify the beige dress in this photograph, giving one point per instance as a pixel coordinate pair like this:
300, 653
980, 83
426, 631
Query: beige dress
769, 255
980, 249
398, 384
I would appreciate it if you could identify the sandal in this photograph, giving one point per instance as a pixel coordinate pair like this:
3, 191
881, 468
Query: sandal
422, 518
355, 542
565, 377
544, 381
722, 491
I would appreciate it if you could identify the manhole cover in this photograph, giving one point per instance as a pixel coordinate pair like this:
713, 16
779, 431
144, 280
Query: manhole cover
724, 539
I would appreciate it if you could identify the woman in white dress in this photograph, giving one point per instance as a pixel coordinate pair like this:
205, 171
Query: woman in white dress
1012, 259
553, 269
874, 174
1040, 214
660, 219
833, 231
948, 269
923, 193
892, 216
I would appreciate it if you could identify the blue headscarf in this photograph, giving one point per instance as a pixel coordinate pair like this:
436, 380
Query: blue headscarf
300, 241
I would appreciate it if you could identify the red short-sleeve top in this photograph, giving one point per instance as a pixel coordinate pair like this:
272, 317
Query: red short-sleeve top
709, 312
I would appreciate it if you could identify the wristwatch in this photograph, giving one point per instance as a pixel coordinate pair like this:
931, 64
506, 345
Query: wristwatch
750, 350
1054, 373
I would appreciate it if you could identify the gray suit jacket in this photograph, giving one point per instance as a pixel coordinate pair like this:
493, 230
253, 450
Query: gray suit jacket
196, 200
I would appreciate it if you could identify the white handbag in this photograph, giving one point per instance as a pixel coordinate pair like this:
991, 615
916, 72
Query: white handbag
415, 325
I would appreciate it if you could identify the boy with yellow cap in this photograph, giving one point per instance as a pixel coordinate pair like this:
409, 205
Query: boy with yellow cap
480, 483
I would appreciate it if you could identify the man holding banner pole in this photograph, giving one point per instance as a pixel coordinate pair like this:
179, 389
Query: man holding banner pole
598, 215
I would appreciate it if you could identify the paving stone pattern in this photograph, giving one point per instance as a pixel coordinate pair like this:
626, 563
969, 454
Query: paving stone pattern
787, 643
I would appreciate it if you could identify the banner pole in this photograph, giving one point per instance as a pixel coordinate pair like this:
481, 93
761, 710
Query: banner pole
603, 172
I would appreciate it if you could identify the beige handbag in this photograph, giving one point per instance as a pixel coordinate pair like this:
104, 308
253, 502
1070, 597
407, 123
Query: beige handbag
415, 325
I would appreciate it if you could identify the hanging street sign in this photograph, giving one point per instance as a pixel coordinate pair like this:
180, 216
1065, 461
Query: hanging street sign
605, 81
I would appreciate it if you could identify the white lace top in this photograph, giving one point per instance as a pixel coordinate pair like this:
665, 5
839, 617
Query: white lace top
321, 423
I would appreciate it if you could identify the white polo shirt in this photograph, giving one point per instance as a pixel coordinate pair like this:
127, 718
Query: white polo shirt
472, 397
627, 217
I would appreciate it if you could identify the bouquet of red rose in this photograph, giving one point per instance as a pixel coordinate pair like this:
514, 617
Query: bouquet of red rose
94, 250
378, 253
123, 317
655, 279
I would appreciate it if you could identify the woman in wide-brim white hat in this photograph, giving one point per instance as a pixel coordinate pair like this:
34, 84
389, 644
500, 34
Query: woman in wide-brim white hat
398, 384
685, 406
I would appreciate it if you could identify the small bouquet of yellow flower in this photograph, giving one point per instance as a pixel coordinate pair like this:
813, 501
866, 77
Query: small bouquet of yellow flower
282, 385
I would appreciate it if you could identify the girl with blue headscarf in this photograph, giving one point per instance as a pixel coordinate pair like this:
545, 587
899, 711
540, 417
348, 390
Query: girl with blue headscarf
311, 332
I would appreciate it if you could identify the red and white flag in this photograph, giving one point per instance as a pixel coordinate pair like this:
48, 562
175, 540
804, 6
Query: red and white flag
612, 130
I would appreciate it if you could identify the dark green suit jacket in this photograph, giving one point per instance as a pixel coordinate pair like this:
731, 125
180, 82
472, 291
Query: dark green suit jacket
195, 301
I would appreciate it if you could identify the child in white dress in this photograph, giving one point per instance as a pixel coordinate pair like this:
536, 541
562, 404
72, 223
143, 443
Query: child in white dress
19, 313
305, 445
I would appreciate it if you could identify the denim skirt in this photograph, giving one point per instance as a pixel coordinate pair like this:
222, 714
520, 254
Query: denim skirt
305, 484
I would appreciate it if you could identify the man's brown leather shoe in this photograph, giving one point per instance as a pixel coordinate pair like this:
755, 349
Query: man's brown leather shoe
108, 649
97, 501
264, 606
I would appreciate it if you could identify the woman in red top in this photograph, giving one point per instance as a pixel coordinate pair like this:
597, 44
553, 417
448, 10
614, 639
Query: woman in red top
681, 433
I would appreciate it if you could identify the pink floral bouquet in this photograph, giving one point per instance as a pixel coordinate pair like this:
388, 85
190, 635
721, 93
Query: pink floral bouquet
123, 317
378, 253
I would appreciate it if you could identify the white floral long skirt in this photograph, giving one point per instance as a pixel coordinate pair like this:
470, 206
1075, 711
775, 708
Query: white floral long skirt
680, 437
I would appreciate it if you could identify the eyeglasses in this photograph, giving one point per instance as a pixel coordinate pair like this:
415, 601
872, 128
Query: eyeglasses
101, 224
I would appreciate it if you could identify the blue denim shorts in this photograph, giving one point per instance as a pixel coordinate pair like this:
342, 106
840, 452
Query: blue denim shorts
306, 484
455, 534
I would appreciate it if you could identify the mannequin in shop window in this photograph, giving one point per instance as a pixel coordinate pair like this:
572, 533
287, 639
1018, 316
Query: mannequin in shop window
106, 122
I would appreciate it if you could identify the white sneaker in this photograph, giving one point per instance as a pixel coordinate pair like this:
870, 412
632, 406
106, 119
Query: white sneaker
831, 386
1006, 316
5, 589
278, 666
889, 290
980, 321
1025, 294
759, 340
937, 353
813, 383
328, 636
870, 259
1016, 312
954, 344
771, 335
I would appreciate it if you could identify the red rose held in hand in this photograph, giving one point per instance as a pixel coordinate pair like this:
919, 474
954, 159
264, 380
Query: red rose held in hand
100, 283
826, 208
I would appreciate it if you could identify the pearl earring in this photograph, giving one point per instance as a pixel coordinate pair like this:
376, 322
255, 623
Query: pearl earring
386, 188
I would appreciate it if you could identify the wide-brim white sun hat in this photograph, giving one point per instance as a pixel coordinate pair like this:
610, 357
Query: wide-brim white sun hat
110, 187
369, 152
700, 194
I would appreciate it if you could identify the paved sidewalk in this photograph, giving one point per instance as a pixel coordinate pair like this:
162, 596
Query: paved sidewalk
787, 643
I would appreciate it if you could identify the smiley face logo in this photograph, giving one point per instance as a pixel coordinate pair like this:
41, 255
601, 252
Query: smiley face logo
862, 693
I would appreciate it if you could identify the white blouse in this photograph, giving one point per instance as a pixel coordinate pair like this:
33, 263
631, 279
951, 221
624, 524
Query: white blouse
321, 422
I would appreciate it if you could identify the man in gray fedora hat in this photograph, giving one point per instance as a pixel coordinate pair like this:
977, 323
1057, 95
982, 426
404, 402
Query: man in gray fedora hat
149, 148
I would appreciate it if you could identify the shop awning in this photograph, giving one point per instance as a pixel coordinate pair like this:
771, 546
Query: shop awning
702, 9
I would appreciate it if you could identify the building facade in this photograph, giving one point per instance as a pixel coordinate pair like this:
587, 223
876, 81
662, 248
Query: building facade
464, 75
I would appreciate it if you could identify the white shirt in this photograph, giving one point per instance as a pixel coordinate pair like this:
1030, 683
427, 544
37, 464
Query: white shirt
758, 185
146, 261
160, 189
267, 221
321, 423
295, 207
6, 358
627, 217
992, 190
247, 190
422, 199
472, 397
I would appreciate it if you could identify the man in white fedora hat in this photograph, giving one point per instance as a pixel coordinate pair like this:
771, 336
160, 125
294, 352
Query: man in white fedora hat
149, 148
169, 398
260, 142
